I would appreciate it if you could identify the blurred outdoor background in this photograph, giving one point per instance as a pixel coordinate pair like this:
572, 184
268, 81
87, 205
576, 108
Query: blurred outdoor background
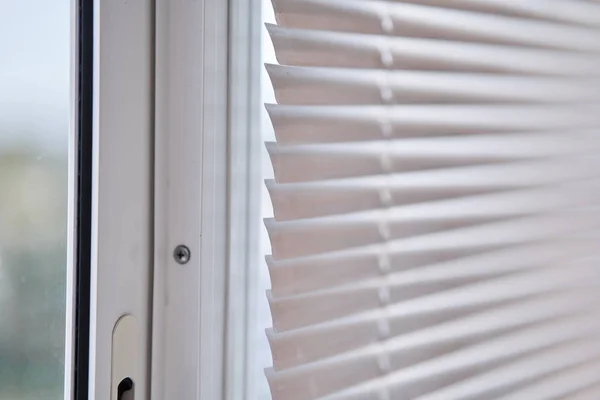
35, 48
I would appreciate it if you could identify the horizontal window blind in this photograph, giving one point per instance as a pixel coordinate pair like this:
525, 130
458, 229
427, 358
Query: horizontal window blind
436, 200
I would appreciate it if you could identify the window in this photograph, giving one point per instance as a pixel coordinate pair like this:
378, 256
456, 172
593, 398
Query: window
35, 89
426, 199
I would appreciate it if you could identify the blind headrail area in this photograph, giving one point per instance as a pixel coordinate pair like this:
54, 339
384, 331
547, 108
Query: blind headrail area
436, 200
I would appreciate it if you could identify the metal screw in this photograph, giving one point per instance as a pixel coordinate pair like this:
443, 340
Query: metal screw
182, 254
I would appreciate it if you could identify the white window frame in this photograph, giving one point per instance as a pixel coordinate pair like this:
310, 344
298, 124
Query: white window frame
245, 178
190, 199
207, 107
122, 230
176, 162
72, 195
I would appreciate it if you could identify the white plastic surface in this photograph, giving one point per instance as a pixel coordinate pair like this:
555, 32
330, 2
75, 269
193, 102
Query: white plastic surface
125, 349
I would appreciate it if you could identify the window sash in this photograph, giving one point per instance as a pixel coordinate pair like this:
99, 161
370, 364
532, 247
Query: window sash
121, 230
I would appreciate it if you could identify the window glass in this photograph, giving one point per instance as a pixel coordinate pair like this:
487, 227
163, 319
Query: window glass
35, 47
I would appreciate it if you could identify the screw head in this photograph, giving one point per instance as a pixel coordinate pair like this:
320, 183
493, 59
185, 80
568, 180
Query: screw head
182, 254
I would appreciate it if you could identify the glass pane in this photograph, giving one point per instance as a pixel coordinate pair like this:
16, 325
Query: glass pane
34, 117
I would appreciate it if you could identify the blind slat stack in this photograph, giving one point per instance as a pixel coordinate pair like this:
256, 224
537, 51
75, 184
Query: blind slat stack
435, 194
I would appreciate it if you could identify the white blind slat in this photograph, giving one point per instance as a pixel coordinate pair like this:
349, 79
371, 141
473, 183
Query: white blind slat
309, 124
366, 262
290, 239
323, 341
413, 20
302, 47
294, 277
525, 280
551, 364
574, 11
423, 377
565, 384
461, 326
322, 86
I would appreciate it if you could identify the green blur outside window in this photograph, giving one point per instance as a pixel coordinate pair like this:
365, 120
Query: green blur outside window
35, 54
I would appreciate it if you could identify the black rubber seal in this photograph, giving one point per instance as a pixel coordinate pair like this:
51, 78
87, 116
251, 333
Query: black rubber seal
84, 197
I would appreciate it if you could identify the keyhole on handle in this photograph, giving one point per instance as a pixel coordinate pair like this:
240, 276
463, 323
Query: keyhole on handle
125, 390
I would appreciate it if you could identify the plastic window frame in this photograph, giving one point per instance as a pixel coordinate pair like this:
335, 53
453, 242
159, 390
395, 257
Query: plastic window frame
117, 131
207, 180
176, 160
